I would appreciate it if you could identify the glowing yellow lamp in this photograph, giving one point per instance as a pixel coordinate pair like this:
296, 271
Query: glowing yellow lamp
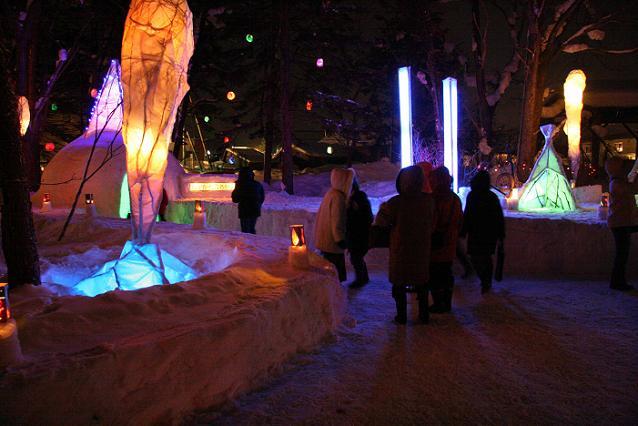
573, 92
24, 115
156, 48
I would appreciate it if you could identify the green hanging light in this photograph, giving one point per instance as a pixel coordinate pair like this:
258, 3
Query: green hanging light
249, 38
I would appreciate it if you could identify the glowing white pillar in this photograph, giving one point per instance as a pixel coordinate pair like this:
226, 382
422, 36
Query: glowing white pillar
450, 130
405, 106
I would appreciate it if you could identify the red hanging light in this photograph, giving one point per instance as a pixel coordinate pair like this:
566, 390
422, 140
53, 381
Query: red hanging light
309, 105
49, 146
226, 139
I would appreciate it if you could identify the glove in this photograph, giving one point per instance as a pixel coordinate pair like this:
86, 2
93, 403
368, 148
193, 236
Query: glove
342, 245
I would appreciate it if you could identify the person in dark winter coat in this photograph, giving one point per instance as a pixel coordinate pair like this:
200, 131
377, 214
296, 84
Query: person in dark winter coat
330, 225
358, 221
249, 194
410, 219
449, 215
622, 219
484, 225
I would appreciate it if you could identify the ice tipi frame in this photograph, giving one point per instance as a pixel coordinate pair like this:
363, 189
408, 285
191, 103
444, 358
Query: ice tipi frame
547, 189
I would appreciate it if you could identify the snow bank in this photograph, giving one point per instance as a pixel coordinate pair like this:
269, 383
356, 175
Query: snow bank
152, 355
574, 244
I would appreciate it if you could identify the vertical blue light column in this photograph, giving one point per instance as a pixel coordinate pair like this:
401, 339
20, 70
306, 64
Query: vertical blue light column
450, 129
405, 107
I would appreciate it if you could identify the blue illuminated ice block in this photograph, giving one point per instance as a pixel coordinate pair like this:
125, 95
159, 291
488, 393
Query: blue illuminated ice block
139, 266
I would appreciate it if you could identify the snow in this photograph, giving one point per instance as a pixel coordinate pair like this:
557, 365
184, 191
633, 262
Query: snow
531, 352
152, 355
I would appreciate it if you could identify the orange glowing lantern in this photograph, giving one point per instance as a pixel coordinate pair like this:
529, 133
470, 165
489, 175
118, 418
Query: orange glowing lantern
309, 105
5, 313
297, 236
198, 206
231, 95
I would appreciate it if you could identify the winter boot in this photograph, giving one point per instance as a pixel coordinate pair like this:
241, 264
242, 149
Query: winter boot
401, 300
424, 312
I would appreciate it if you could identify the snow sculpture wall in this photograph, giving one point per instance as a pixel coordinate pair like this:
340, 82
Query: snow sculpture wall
156, 49
547, 188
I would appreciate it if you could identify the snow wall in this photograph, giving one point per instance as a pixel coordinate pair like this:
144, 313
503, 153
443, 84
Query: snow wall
537, 245
152, 356
61, 177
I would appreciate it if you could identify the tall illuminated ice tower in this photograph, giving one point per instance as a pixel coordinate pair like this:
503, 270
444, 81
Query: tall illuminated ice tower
106, 115
405, 109
450, 130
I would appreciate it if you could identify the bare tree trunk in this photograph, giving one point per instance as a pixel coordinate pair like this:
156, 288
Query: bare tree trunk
286, 116
27, 53
532, 100
484, 109
18, 236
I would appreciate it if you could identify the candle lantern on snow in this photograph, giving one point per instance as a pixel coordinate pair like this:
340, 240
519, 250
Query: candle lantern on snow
512, 200
603, 208
89, 205
298, 250
199, 216
10, 351
46, 203
5, 313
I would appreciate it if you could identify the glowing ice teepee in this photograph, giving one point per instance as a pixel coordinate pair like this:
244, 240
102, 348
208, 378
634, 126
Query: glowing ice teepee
547, 188
107, 110
156, 48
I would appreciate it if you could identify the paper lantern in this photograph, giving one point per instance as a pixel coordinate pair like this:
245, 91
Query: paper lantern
297, 236
573, 92
49, 147
5, 312
24, 115
46, 203
298, 251
156, 49
547, 188
405, 112
230, 95
319, 63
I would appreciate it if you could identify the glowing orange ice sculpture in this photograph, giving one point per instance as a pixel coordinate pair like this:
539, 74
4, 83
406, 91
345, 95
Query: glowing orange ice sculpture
156, 49
573, 92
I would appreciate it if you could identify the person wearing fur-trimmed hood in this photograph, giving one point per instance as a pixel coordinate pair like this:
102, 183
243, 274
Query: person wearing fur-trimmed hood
330, 225
410, 219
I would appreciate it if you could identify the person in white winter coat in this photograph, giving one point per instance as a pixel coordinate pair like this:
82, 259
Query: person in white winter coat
330, 227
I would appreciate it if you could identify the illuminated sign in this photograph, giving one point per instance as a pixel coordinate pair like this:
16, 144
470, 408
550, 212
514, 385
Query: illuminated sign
211, 186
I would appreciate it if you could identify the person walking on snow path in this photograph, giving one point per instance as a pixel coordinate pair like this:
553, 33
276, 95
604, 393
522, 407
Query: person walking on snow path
622, 219
484, 225
449, 217
249, 194
359, 219
409, 217
330, 225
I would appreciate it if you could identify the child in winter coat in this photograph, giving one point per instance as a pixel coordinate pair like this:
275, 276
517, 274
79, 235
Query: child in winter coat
359, 218
622, 219
330, 227
449, 214
249, 194
484, 225
409, 217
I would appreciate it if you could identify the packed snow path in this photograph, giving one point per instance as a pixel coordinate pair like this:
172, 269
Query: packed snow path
531, 352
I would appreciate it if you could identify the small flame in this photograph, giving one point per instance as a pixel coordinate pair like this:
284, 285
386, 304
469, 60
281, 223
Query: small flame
198, 206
